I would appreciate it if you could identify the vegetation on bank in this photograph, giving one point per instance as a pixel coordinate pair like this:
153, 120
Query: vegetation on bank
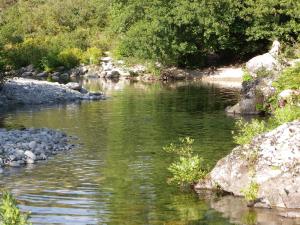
289, 111
10, 214
56, 33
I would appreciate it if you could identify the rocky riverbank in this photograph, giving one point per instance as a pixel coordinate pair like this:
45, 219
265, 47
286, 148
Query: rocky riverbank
268, 168
34, 92
21, 147
257, 86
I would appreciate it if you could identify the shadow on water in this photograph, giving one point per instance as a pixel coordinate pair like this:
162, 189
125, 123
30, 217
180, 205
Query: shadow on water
118, 175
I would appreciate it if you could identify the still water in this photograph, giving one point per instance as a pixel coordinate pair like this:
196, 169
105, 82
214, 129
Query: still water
118, 174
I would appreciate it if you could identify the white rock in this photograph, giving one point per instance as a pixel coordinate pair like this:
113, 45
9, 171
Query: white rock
276, 168
262, 62
30, 155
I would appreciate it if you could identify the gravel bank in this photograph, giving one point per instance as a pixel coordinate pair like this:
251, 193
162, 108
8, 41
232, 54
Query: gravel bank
21, 147
34, 92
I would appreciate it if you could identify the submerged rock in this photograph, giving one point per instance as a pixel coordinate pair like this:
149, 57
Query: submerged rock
272, 160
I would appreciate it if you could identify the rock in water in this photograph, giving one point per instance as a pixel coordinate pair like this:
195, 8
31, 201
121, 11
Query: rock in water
30, 155
272, 160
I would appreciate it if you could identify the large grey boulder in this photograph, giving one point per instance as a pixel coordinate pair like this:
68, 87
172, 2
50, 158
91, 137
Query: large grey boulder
272, 160
267, 62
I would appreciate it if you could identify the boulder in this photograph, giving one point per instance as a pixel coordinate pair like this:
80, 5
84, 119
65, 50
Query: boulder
272, 160
74, 86
106, 59
286, 94
30, 155
27, 74
113, 74
42, 75
64, 77
265, 62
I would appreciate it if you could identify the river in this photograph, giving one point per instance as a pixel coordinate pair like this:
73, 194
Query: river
118, 175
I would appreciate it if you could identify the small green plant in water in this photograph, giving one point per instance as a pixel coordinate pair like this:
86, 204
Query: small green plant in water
10, 214
189, 168
251, 192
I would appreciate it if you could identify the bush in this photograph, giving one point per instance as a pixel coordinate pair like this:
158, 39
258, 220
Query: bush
247, 131
70, 57
289, 79
91, 56
10, 214
247, 76
189, 168
283, 115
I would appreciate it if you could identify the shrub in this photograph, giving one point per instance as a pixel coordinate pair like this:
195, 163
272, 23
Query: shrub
91, 56
246, 131
10, 214
70, 57
246, 76
289, 79
189, 168
283, 115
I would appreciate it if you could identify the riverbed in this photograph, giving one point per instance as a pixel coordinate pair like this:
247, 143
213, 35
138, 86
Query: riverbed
118, 175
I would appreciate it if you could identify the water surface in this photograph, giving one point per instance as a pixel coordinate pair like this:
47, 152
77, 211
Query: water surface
118, 175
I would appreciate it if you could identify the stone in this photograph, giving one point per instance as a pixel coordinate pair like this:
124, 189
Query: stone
14, 164
64, 76
286, 94
83, 91
42, 74
32, 144
106, 59
74, 86
30, 155
27, 74
276, 168
30, 161
113, 74
275, 50
55, 78
265, 62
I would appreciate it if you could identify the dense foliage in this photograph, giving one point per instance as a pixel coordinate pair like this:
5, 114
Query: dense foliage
185, 32
51, 33
10, 214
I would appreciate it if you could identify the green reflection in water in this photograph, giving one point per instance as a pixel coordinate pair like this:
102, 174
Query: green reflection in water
119, 174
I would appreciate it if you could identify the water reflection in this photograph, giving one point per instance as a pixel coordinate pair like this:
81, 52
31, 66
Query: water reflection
236, 210
118, 175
